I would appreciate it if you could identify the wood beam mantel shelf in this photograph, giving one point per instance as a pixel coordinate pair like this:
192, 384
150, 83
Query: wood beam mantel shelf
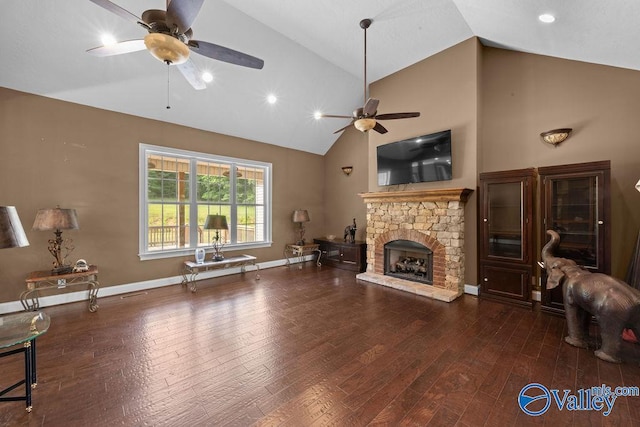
439, 195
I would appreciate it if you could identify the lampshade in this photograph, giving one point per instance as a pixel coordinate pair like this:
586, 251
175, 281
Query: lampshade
166, 48
11, 231
556, 136
301, 215
56, 219
364, 125
216, 222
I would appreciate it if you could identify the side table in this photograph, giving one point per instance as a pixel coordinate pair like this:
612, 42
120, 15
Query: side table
293, 250
22, 328
42, 280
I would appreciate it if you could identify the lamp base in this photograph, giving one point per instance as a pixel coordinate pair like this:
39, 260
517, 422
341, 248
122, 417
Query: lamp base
64, 269
218, 257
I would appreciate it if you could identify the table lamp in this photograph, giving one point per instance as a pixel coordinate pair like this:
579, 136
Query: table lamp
11, 232
58, 219
216, 222
300, 216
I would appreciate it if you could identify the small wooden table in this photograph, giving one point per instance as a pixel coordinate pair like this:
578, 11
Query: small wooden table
293, 250
191, 269
22, 328
41, 280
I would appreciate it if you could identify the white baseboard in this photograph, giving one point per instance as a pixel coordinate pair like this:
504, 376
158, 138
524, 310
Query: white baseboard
471, 289
536, 295
47, 301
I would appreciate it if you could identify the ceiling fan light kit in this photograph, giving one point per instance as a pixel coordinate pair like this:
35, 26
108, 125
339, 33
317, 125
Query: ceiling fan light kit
364, 125
166, 48
366, 118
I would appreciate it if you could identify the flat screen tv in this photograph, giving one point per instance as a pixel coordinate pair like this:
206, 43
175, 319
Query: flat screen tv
424, 158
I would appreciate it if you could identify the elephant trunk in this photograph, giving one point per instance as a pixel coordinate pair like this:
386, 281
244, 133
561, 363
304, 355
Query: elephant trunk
547, 250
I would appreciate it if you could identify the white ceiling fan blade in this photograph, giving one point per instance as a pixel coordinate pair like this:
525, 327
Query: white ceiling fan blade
127, 46
192, 74
121, 12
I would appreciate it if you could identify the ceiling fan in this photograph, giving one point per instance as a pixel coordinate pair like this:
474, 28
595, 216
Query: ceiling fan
169, 39
366, 118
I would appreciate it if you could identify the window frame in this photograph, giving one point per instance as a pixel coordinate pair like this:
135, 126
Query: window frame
193, 157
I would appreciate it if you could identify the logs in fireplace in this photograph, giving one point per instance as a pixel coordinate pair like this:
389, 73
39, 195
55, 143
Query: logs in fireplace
408, 260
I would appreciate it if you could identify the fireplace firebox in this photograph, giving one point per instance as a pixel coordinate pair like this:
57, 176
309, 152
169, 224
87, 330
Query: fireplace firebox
408, 260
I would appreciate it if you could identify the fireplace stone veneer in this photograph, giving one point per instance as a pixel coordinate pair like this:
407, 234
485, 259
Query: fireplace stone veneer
433, 218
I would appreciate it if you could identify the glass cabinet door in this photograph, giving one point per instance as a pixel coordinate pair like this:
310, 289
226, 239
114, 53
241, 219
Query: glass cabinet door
573, 213
504, 220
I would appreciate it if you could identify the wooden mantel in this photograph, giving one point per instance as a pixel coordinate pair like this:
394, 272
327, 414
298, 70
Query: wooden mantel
441, 195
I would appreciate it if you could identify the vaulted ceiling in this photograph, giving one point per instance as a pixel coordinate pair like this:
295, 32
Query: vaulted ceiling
313, 54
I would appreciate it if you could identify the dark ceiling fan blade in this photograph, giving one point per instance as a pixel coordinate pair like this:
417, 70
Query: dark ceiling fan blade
117, 10
127, 46
379, 128
343, 128
225, 54
182, 13
370, 107
334, 116
192, 74
392, 116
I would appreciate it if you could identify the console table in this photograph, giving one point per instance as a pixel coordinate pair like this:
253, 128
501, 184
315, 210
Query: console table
42, 280
345, 255
293, 250
22, 328
191, 269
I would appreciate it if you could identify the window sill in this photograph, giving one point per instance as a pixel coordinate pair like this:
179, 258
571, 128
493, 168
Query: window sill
146, 256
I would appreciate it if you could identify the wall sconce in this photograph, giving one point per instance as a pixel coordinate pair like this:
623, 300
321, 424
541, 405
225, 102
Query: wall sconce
638, 185
347, 170
556, 136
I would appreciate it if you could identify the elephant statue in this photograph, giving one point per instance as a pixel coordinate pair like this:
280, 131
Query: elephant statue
350, 232
614, 304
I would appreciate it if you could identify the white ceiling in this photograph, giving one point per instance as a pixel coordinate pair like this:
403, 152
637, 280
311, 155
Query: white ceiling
312, 52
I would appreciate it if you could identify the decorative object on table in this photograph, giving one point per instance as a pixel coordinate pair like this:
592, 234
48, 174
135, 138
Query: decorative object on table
200, 254
81, 266
216, 222
556, 136
300, 216
58, 219
11, 232
614, 304
350, 232
331, 236
347, 170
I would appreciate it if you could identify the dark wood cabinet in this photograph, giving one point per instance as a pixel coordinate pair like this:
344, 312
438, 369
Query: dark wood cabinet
506, 235
575, 202
348, 256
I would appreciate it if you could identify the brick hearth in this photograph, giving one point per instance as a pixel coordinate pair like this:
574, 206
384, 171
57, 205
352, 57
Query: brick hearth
433, 218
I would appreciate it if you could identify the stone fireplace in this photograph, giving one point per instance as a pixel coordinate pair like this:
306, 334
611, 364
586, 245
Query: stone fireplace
433, 219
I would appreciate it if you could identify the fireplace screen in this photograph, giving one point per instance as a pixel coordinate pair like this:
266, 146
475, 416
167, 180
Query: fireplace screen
408, 260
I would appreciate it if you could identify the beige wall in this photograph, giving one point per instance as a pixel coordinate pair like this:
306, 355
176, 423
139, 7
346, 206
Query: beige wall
525, 94
342, 202
444, 89
58, 153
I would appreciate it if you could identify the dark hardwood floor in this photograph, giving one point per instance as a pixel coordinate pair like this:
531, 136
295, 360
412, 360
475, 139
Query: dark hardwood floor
310, 347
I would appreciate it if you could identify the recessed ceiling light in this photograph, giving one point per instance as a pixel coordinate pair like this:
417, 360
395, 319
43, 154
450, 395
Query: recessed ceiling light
547, 18
317, 115
108, 40
272, 99
207, 77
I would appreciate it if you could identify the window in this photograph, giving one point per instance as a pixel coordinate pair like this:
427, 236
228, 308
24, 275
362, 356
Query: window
178, 189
